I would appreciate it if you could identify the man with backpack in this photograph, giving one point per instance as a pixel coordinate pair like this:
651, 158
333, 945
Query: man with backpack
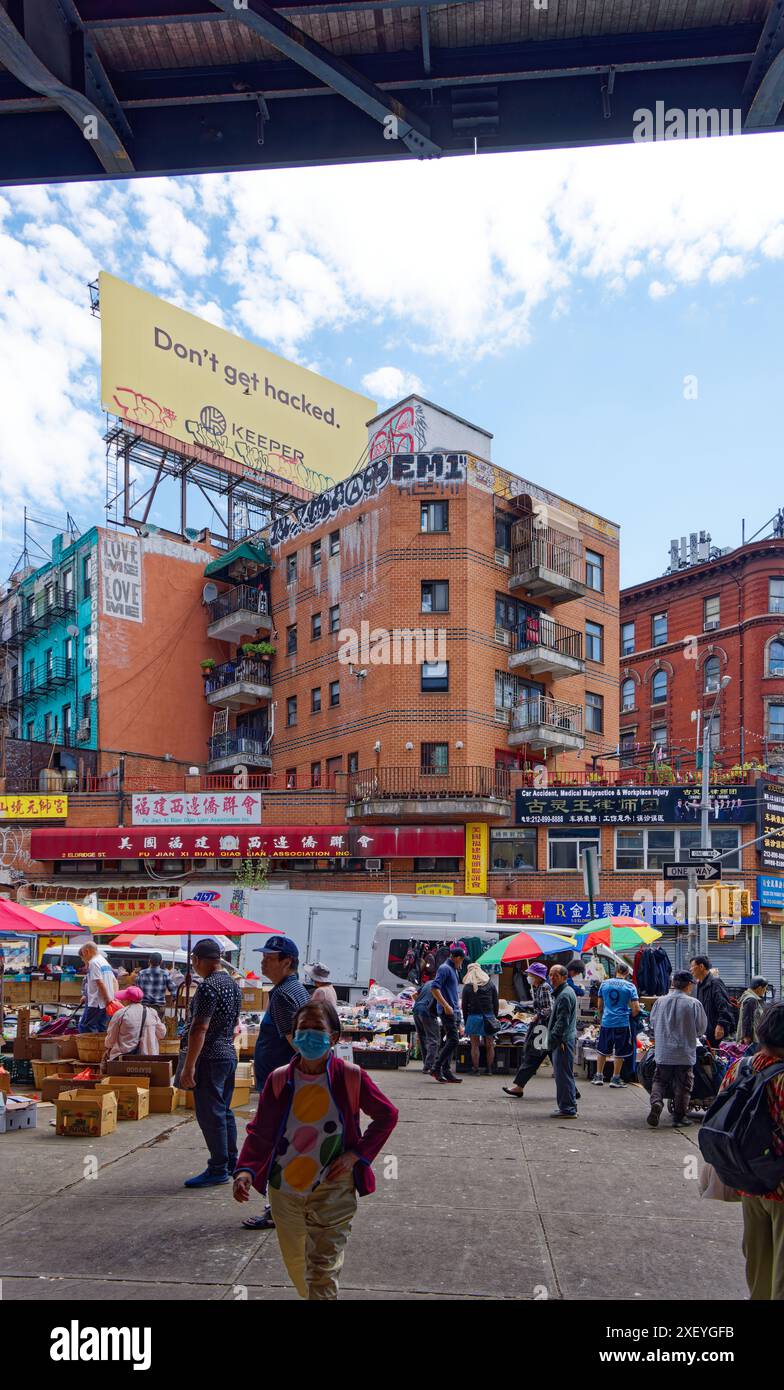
712, 994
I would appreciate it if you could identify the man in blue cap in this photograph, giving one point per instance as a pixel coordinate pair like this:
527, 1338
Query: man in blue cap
279, 963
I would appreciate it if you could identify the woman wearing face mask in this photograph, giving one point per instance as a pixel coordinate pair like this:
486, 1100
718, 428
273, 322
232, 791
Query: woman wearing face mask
305, 1146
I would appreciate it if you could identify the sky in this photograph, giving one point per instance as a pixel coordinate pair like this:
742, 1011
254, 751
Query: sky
613, 316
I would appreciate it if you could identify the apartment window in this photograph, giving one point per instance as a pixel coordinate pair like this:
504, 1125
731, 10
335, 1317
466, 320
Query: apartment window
291, 710
435, 675
291, 569
594, 713
315, 774
724, 840
659, 737
434, 516
659, 630
291, 640
776, 723
68, 588
650, 849
715, 734
627, 639
594, 570
503, 531
711, 675
628, 695
49, 661
626, 749
315, 553
434, 757
432, 864
594, 641
334, 769
512, 850
334, 618
50, 727
334, 694
67, 724
30, 675
315, 626
87, 647
565, 848
776, 659
86, 707
353, 762
49, 596
334, 549
315, 700
30, 730
87, 576
711, 612
435, 596
659, 688
776, 596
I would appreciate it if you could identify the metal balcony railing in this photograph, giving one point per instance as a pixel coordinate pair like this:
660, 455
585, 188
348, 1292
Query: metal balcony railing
436, 783
541, 631
543, 710
534, 546
243, 598
48, 676
234, 745
48, 608
248, 671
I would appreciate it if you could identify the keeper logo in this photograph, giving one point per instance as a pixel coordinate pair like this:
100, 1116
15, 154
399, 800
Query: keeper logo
75, 1343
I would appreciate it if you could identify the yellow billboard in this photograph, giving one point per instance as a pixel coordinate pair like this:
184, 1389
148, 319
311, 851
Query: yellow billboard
476, 857
22, 807
173, 372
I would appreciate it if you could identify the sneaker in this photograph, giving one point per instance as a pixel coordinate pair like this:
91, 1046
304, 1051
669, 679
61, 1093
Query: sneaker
207, 1179
436, 1075
450, 1076
616, 1083
652, 1118
563, 1114
597, 1080
682, 1123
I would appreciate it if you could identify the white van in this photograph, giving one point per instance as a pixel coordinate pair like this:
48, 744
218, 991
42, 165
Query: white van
69, 957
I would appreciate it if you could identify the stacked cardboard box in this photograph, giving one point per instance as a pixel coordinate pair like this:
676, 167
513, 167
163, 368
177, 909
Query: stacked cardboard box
157, 1071
133, 1096
85, 1114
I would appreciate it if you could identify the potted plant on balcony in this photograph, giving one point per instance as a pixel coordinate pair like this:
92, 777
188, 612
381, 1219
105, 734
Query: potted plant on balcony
207, 666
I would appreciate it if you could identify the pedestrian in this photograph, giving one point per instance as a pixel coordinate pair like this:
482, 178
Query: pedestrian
751, 1005
154, 982
712, 994
280, 965
763, 1216
535, 1045
98, 991
305, 1146
208, 1061
445, 992
678, 1022
136, 1029
618, 1004
427, 1025
561, 1040
479, 1004
324, 991
576, 972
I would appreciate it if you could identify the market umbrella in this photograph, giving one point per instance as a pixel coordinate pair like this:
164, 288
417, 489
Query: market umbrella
524, 945
619, 933
28, 920
76, 915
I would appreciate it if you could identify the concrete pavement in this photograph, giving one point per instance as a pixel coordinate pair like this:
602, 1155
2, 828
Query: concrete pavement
479, 1196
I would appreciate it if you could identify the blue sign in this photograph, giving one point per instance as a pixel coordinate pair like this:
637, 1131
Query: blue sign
576, 913
770, 890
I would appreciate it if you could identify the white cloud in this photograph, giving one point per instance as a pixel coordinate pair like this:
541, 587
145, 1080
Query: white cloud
391, 384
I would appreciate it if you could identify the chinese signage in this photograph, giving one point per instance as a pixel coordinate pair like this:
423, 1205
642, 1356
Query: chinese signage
133, 907
770, 891
729, 805
33, 807
656, 914
476, 855
246, 842
771, 824
435, 890
197, 808
518, 910
121, 577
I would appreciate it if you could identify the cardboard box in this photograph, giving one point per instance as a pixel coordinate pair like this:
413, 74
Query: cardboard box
133, 1097
5, 1082
164, 1100
158, 1069
46, 991
240, 1096
17, 1112
85, 1114
254, 998
62, 1067
17, 991
245, 1072
53, 1086
70, 991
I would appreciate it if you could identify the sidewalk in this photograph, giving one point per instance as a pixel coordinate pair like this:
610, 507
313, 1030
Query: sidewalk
492, 1200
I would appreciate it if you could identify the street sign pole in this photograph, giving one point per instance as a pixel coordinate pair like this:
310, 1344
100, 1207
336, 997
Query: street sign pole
691, 915
591, 879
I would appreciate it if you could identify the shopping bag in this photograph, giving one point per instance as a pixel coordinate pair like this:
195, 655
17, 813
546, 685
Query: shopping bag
711, 1185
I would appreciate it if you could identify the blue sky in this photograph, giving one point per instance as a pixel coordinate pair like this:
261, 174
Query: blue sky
558, 299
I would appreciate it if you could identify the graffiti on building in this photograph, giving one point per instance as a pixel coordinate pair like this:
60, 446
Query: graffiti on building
141, 410
510, 485
15, 859
405, 432
401, 470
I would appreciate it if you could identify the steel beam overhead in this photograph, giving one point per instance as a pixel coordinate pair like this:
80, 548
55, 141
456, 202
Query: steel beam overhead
763, 90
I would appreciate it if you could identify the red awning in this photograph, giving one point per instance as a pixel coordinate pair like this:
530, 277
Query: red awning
249, 842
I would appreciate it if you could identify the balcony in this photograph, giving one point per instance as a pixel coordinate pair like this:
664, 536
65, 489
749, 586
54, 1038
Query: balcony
240, 612
239, 684
436, 794
227, 750
51, 607
541, 722
543, 647
547, 563
50, 675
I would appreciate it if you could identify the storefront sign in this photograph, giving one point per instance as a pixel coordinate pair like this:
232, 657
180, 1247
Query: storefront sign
476, 857
518, 910
656, 914
197, 808
242, 842
435, 890
730, 805
121, 577
770, 891
33, 807
771, 824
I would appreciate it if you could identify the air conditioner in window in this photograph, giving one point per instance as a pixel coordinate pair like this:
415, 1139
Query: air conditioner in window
83, 731
502, 716
502, 636
502, 557
710, 624
373, 866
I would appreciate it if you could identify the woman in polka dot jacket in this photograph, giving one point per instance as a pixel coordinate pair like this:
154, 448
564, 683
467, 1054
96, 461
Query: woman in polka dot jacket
305, 1146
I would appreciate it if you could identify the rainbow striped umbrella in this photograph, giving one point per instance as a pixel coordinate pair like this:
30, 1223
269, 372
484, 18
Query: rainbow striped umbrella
76, 915
619, 933
524, 945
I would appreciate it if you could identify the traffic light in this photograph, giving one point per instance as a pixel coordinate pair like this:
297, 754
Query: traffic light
734, 902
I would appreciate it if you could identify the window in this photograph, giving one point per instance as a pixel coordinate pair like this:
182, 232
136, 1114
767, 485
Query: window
659, 737
659, 688
86, 707
334, 618
291, 640
594, 641
434, 757
315, 774
87, 647
30, 730
594, 570
334, 694
711, 675
50, 727
291, 710
711, 612
87, 576
594, 712
68, 579
432, 865
315, 700
291, 779
628, 695
627, 639
715, 735
776, 596
435, 596
503, 531
650, 849
69, 656
776, 659
723, 840
626, 749
315, 626
315, 553
49, 662
435, 675
565, 848
434, 516
30, 675
659, 630
67, 724
353, 762
512, 850
49, 596
334, 768
776, 723
334, 548
291, 569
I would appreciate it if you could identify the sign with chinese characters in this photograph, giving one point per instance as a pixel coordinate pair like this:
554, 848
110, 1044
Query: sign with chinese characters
247, 842
518, 910
770, 891
133, 907
729, 805
17, 807
656, 914
435, 890
476, 857
771, 825
121, 577
197, 808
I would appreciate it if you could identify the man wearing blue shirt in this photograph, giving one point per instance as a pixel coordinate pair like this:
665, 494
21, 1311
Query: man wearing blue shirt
445, 992
618, 1002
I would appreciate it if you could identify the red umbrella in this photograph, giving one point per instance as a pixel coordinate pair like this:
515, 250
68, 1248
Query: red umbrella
17, 917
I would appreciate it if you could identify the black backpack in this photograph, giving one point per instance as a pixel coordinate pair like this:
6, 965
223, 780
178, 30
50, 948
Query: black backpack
736, 1135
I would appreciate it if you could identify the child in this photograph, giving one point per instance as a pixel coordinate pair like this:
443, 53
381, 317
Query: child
305, 1145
